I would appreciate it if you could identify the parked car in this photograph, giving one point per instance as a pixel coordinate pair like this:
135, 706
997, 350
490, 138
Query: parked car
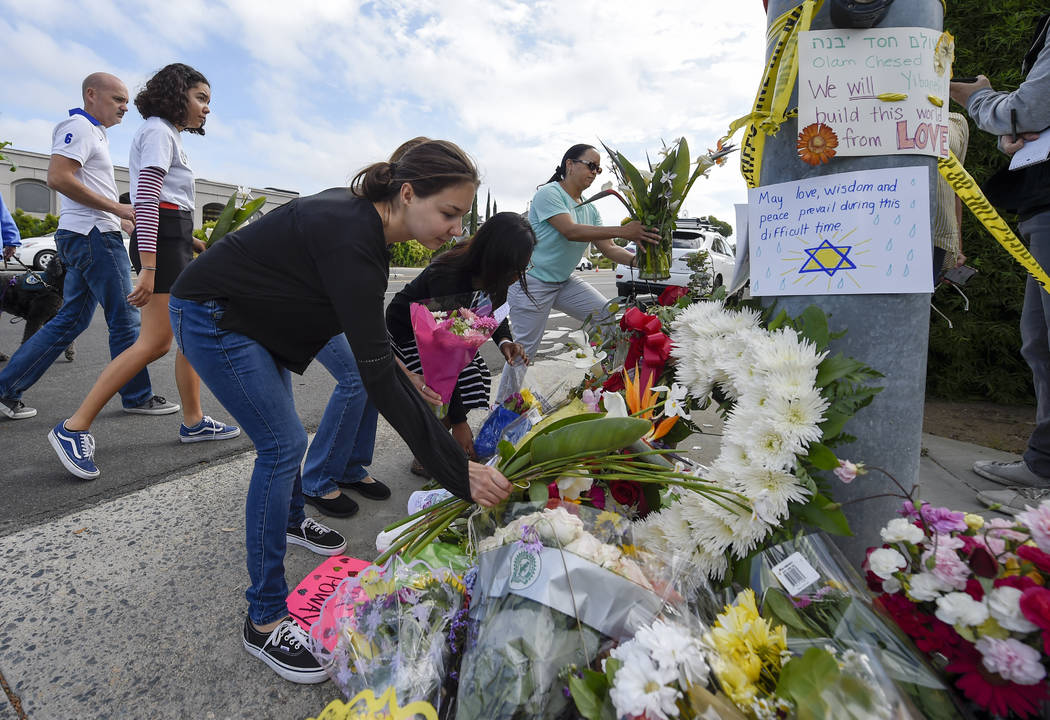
585, 264
38, 252
689, 236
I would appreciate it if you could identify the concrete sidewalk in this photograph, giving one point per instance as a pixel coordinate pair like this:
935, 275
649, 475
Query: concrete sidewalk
133, 608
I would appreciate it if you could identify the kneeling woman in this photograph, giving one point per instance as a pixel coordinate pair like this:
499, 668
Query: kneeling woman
246, 313
475, 273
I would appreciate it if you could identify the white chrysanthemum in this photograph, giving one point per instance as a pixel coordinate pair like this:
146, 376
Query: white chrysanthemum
676, 649
780, 486
770, 447
791, 382
711, 524
641, 689
797, 419
709, 564
747, 530
785, 350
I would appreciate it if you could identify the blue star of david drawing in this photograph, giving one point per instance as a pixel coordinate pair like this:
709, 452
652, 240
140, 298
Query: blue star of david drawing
827, 258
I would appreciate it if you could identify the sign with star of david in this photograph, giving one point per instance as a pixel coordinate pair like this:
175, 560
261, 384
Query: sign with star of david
845, 234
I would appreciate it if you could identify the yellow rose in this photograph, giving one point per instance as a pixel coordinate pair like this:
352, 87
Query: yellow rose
973, 521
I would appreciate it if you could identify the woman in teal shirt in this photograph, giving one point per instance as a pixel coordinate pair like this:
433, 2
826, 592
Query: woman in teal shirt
563, 229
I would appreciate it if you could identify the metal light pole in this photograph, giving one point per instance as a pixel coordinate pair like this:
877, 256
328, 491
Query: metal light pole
888, 332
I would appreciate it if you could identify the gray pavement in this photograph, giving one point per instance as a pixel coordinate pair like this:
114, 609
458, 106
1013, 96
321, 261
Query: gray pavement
131, 607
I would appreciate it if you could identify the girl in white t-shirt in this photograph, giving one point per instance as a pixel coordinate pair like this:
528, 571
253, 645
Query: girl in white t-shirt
162, 191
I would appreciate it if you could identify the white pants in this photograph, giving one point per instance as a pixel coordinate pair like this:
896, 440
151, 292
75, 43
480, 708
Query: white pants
528, 318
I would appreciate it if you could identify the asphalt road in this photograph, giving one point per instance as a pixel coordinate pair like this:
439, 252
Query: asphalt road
134, 451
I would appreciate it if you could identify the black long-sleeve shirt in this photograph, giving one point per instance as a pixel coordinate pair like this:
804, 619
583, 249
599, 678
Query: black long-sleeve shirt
306, 271
450, 289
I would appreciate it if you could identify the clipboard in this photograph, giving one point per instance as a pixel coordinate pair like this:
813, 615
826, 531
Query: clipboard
1033, 152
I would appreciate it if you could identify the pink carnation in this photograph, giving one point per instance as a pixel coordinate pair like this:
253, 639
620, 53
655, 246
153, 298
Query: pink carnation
940, 519
1037, 520
1012, 660
949, 567
1003, 528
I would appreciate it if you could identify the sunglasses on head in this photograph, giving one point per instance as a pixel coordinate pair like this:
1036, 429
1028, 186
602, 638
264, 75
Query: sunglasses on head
592, 166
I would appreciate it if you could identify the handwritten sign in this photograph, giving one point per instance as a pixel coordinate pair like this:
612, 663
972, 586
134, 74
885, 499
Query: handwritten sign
306, 600
844, 234
882, 92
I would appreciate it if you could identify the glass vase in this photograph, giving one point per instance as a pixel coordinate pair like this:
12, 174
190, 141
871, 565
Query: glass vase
654, 259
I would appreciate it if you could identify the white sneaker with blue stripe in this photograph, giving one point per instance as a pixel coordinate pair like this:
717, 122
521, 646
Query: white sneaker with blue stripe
75, 449
208, 429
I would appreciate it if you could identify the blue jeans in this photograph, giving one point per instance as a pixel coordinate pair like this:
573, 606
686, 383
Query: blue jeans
346, 436
1035, 342
258, 393
98, 270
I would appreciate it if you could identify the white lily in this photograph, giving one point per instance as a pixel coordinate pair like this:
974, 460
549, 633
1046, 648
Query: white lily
615, 405
675, 402
586, 358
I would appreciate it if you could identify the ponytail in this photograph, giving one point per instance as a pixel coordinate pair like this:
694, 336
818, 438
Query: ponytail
429, 166
572, 153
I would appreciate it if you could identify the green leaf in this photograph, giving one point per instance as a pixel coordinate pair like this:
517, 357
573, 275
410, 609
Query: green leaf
590, 694
538, 492
681, 171
822, 457
814, 326
222, 224
777, 322
817, 513
779, 608
834, 367
246, 211
598, 437
803, 678
506, 450
521, 456
834, 423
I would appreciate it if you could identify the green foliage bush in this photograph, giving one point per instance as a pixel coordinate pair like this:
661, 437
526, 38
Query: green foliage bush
410, 254
980, 358
29, 226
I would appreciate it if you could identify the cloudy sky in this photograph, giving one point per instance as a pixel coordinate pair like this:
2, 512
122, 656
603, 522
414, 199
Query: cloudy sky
307, 92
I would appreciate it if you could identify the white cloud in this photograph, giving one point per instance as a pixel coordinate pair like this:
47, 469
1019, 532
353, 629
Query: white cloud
317, 89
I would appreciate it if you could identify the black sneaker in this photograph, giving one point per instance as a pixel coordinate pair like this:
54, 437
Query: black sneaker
16, 409
319, 538
284, 650
340, 506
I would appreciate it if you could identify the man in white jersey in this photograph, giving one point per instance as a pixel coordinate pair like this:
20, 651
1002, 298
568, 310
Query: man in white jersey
98, 270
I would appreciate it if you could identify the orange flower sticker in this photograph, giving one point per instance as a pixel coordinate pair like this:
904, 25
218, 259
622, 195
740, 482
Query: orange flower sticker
817, 143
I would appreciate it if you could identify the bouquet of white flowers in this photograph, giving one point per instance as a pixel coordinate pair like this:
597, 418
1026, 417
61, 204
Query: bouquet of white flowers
555, 585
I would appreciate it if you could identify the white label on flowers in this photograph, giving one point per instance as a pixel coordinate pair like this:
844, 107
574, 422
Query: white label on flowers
564, 581
795, 573
846, 234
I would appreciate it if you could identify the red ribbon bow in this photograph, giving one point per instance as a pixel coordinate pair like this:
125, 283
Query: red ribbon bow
650, 347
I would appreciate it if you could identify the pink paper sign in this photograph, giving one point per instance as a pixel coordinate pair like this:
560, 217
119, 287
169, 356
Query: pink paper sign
306, 600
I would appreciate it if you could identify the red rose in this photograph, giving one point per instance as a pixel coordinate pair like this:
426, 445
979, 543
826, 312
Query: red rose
671, 294
626, 492
1035, 556
614, 383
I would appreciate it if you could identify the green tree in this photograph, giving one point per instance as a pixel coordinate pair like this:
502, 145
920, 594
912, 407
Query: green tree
980, 357
724, 229
29, 226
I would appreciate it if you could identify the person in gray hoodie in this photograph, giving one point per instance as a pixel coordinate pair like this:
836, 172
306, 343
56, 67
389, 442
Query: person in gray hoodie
1018, 117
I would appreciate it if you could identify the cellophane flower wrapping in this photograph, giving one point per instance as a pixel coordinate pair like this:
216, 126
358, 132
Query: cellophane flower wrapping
807, 585
388, 627
447, 340
556, 585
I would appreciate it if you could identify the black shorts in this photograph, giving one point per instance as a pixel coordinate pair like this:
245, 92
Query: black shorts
174, 248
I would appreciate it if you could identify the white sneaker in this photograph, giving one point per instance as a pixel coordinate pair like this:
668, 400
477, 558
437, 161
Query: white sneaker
1010, 474
16, 409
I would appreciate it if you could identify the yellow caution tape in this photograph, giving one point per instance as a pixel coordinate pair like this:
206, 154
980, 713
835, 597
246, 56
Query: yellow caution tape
778, 82
970, 193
